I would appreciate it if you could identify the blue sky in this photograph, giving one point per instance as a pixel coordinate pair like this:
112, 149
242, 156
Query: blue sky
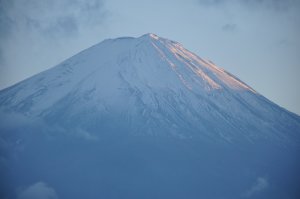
256, 40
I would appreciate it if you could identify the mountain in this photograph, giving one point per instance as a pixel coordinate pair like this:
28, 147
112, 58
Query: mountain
144, 118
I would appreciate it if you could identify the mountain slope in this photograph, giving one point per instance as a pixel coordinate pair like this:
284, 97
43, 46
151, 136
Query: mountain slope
144, 117
146, 82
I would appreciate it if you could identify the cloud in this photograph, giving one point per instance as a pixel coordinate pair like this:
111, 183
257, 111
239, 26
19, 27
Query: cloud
39, 190
211, 2
229, 27
83, 134
35, 35
260, 185
50, 17
276, 5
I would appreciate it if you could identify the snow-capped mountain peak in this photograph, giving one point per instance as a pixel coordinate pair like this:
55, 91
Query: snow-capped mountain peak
144, 118
149, 80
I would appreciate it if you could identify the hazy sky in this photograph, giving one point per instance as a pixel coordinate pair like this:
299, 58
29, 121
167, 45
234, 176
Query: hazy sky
256, 40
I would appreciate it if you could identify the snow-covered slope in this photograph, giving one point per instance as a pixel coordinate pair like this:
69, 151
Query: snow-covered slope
144, 118
151, 85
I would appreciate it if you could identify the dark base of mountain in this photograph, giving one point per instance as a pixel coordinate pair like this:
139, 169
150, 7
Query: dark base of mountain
127, 166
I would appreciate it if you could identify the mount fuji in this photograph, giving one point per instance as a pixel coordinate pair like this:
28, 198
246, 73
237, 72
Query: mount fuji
144, 118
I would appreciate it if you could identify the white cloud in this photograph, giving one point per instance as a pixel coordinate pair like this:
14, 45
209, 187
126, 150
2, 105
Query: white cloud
80, 133
39, 190
260, 185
